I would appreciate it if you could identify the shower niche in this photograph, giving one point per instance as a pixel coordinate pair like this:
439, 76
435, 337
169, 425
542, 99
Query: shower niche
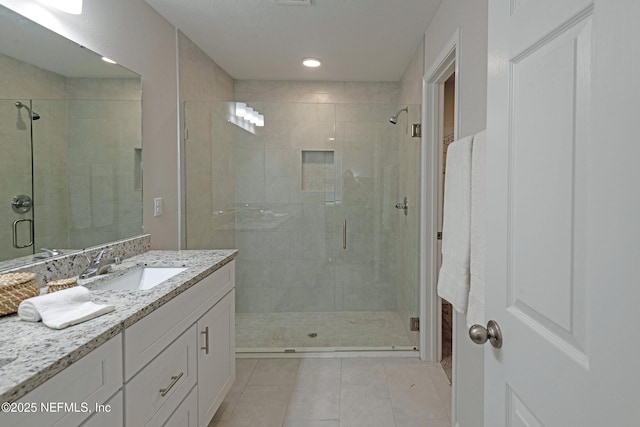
318, 171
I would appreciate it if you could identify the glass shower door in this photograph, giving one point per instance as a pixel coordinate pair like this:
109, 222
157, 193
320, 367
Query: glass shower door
16, 191
308, 200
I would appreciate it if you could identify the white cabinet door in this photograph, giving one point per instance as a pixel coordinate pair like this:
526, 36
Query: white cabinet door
562, 212
216, 357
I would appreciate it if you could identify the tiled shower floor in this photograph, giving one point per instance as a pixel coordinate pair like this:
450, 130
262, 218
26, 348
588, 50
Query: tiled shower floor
379, 330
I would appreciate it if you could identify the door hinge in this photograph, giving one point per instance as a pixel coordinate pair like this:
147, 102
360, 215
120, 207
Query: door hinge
186, 134
414, 323
439, 235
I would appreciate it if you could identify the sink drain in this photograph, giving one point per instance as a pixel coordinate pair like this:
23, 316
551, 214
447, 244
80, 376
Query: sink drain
312, 335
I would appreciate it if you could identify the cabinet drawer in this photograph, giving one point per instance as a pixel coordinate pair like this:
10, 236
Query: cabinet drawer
187, 413
111, 414
173, 373
146, 338
66, 399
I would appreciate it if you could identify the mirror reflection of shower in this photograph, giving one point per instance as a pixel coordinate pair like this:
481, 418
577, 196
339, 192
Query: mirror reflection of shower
32, 114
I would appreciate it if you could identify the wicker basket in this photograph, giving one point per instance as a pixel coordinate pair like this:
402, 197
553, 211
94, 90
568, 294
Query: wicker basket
14, 288
58, 285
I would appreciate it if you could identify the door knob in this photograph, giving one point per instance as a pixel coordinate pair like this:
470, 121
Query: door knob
480, 335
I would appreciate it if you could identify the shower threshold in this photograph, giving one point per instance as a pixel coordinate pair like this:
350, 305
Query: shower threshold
321, 349
322, 332
325, 352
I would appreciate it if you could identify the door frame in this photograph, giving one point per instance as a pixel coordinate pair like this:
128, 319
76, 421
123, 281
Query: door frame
431, 182
446, 63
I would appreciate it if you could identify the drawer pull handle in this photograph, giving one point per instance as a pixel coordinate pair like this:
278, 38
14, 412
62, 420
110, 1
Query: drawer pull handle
175, 379
206, 340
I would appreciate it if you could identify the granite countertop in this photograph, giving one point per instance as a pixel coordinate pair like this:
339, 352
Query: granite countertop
31, 353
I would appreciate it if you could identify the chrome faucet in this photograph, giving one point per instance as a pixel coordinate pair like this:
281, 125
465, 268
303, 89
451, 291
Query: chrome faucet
47, 253
99, 265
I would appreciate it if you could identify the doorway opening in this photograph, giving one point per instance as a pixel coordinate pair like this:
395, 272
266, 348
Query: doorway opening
448, 122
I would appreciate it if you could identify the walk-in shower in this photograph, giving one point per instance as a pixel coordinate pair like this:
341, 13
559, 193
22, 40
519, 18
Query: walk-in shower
309, 202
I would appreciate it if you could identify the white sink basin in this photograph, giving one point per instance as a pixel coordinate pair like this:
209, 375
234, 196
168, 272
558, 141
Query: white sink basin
141, 278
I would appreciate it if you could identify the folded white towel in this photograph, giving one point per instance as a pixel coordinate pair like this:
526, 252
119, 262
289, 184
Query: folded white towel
453, 280
475, 311
61, 309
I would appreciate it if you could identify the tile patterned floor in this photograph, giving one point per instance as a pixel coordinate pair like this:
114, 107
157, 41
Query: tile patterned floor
337, 392
379, 329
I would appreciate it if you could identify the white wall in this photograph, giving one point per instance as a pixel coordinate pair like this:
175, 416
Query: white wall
470, 16
136, 36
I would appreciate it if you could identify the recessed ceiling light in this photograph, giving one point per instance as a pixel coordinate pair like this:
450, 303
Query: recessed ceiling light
108, 61
311, 62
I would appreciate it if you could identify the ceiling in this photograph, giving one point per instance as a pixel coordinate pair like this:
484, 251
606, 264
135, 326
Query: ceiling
357, 40
29, 42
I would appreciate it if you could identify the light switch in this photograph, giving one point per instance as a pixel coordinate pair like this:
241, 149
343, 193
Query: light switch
157, 206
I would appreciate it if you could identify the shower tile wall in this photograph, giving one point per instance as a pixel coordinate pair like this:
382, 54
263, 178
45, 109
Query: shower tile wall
291, 255
106, 200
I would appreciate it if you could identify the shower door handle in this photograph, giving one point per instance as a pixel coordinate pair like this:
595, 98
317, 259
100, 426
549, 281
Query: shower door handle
344, 235
15, 233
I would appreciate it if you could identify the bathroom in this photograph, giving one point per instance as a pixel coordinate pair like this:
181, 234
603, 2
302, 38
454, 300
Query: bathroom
342, 232
189, 196
353, 111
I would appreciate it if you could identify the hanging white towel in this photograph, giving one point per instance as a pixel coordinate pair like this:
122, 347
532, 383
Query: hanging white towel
475, 311
453, 280
61, 309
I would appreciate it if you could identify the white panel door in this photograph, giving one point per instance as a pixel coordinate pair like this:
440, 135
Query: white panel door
549, 210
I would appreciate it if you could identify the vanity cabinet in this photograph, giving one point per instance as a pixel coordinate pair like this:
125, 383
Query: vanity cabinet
188, 340
171, 368
73, 395
111, 415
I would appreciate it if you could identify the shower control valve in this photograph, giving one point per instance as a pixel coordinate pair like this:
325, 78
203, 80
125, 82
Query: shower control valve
404, 206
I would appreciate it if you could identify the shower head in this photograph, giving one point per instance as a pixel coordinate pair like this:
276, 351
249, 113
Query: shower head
33, 114
394, 119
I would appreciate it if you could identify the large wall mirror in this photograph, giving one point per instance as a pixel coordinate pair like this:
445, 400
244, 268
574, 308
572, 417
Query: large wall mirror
71, 145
